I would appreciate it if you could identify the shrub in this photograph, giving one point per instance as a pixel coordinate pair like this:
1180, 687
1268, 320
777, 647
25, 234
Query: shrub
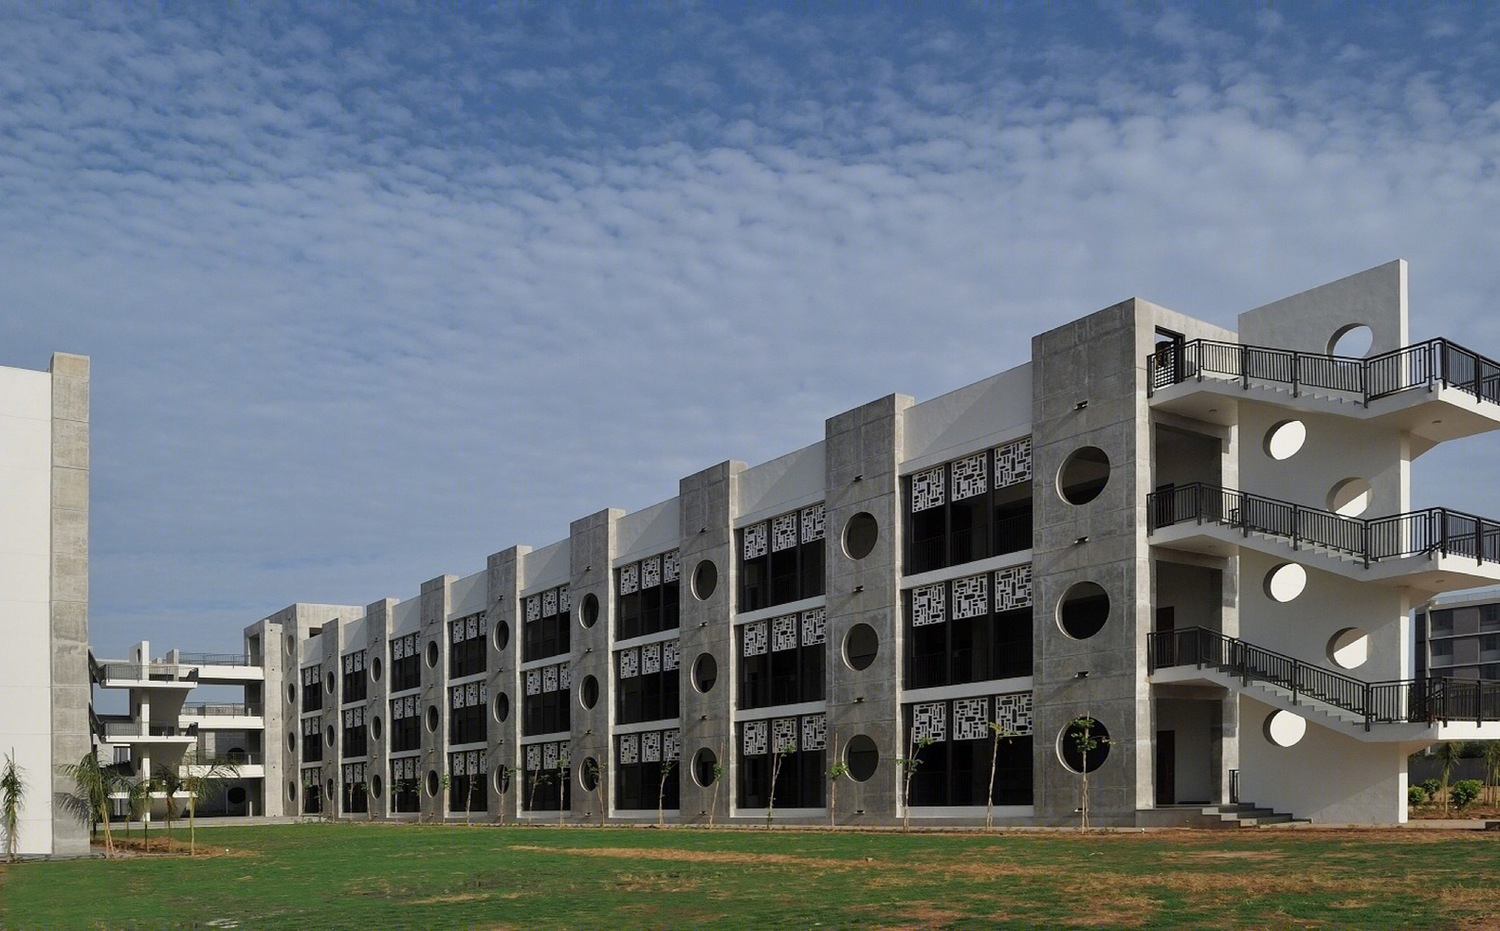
1431, 787
1416, 795
1465, 791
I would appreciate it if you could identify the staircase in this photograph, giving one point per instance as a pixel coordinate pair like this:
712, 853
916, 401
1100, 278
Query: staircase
1243, 816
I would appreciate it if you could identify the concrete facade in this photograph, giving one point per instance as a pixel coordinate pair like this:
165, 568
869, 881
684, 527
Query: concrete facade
1177, 557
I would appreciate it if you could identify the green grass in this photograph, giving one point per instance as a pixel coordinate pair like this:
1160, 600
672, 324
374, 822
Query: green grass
414, 876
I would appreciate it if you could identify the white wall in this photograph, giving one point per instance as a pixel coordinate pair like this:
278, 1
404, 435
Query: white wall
781, 484
994, 410
546, 567
469, 595
648, 531
26, 593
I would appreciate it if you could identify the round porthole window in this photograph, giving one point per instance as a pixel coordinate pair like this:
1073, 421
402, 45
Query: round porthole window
705, 767
588, 692
1284, 439
705, 672
432, 783
502, 635
502, 707
860, 646
862, 757
501, 779
1284, 729
705, 580
375, 727
1353, 340
588, 613
1083, 610
1350, 497
860, 534
328, 683
291, 694
1349, 648
432, 718
330, 736
375, 669
376, 786
1083, 745
588, 774
432, 654
1083, 475
291, 742
291, 791
1285, 582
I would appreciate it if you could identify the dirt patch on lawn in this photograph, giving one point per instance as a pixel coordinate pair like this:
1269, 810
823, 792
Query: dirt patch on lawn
696, 856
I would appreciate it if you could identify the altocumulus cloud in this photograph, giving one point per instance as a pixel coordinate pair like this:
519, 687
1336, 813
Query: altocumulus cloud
373, 293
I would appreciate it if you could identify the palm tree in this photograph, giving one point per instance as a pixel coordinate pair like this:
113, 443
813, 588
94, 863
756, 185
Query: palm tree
199, 775
170, 780
1491, 766
1449, 752
12, 794
95, 785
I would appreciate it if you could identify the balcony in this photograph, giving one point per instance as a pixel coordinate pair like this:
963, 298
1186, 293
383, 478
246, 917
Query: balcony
223, 716
1434, 549
152, 675
1436, 390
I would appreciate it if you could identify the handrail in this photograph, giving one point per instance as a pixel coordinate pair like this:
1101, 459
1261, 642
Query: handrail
1432, 530
1398, 701
153, 672
213, 659
213, 709
1436, 362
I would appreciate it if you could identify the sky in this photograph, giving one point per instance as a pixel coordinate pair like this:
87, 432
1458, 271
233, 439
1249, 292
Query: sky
375, 290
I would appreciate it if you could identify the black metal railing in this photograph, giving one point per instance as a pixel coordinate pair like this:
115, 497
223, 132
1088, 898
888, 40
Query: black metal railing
1432, 530
213, 659
214, 709
153, 672
1434, 363
1402, 701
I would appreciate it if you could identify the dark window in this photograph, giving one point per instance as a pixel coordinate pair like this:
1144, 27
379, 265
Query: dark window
782, 559
468, 789
312, 740
546, 708
782, 659
954, 768
356, 735
775, 751
312, 688
545, 785
546, 629
406, 724
466, 709
968, 509
955, 634
312, 795
647, 683
406, 666
356, 789
640, 762
466, 646
356, 680
405, 785
648, 595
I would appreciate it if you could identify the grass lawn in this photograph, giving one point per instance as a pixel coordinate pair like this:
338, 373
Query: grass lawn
416, 876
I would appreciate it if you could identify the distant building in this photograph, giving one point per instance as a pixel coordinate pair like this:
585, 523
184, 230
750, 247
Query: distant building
1194, 546
44, 592
1458, 636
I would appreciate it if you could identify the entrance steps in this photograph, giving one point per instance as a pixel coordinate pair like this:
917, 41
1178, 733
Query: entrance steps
1244, 816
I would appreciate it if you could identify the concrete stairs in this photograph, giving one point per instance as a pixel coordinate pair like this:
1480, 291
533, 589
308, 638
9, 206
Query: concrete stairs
1244, 816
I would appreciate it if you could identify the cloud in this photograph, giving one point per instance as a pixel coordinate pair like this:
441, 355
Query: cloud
370, 297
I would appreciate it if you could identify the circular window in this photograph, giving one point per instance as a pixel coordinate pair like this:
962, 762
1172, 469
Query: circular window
1285, 582
291, 644
328, 788
291, 742
291, 791
862, 757
330, 737
1284, 439
328, 683
705, 580
375, 669
860, 534
432, 654
502, 778
502, 635
432, 718
1349, 648
588, 774
291, 694
1354, 340
375, 728
1284, 729
860, 646
588, 692
1083, 745
432, 782
1083, 475
705, 672
705, 767
502, 707
375, 786
588, 612
1083, 610
236, 795
1350, 497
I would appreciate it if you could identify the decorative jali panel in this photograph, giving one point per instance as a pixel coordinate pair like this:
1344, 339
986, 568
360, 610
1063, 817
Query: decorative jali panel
814, 627
651, 747
971, 597
783, 532
927, 489
630, 663
549, 678
671, 744
671, 655
651, 572
533, 682
671, 566
929, 721
813, 519
784, 633
630, 748
784, 735
1013, 588
971, 718
550, 755
534, 608
650, 659
814, 731
755, 738
1013, 712
1013, 463
549, 602
755, 540
564, 598
533, 757
565, 676
970, 477
929, 605
630, 578
755, 634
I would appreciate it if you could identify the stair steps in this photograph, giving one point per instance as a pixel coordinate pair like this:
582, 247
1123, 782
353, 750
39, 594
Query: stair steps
1245, 816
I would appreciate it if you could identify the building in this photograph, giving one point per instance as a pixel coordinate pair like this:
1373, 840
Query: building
1458, 636
1180, 558
44, 593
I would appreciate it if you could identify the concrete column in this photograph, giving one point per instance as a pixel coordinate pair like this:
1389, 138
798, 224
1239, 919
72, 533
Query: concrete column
503, 663
592, 542
71, 739
433, 643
